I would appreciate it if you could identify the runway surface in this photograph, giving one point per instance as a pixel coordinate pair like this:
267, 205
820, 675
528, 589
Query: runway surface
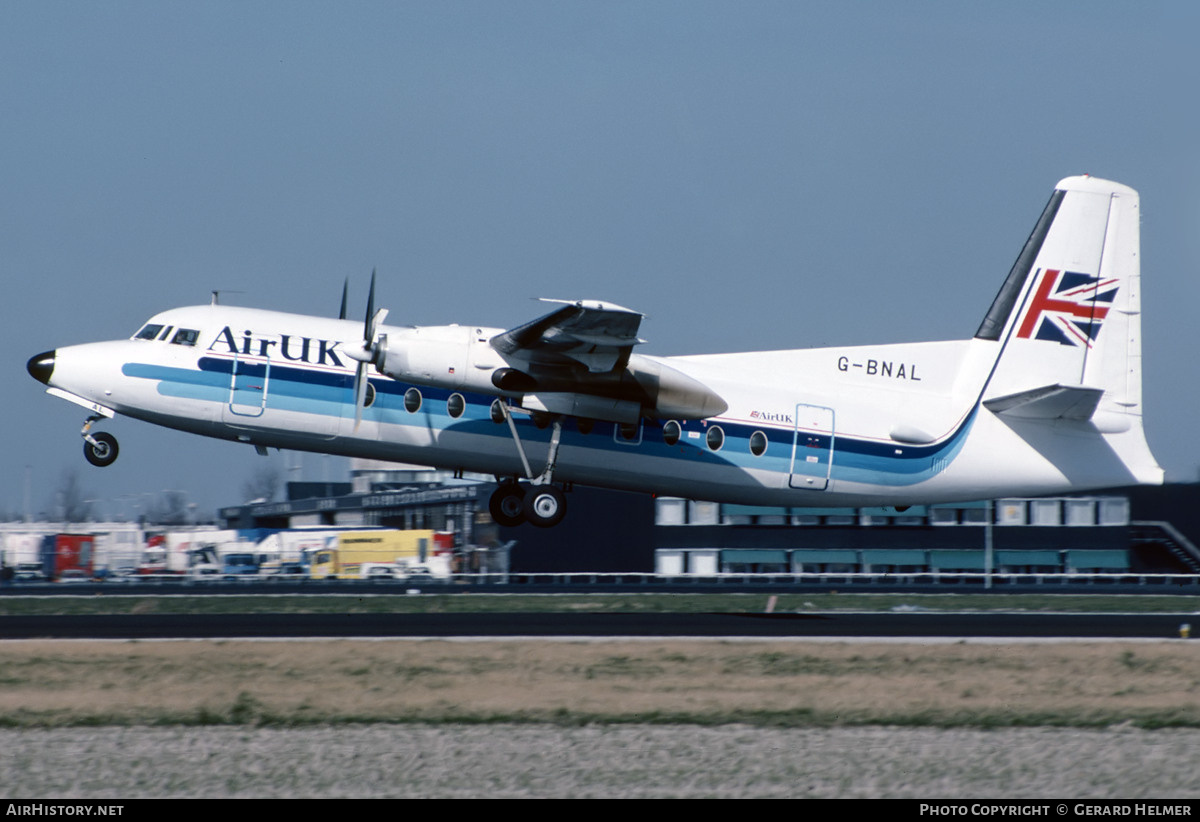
886, 624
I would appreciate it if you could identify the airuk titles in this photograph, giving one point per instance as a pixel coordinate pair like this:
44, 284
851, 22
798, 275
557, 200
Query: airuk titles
881, 368
771, 416
296, 349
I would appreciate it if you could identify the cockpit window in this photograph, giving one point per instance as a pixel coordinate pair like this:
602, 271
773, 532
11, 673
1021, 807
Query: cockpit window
185, 336
149, 332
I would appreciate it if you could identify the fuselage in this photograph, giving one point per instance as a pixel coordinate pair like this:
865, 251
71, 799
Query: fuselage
885, 425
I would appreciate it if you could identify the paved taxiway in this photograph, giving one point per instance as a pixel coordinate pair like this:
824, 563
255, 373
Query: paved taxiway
849, 625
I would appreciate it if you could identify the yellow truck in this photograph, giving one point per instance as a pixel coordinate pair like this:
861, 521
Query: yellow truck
344, 554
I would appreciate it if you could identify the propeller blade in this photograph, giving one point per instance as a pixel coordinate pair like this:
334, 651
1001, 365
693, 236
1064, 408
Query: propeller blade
373, 327
360, 393
345, 293
370, 310
370, 351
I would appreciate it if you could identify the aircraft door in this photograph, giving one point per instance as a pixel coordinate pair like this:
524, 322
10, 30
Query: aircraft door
268, 392
812, 448
249, 384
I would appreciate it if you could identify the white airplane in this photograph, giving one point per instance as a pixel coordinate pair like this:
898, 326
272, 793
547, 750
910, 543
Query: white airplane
1044, 399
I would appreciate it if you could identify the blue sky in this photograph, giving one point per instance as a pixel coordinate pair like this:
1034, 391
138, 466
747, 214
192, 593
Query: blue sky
751, 175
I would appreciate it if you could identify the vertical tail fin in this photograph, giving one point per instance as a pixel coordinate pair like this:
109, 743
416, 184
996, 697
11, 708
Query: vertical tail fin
1069, 312
1068, 318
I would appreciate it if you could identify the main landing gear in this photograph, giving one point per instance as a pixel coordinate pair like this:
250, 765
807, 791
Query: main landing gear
100, 449
515, 502
538, 502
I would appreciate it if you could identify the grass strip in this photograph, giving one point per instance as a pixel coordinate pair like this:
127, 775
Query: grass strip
765, 684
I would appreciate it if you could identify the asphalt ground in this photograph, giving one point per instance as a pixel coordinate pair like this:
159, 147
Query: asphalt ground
512, 625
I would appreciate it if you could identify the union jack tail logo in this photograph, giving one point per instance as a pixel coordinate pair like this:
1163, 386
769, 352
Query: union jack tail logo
1068, 308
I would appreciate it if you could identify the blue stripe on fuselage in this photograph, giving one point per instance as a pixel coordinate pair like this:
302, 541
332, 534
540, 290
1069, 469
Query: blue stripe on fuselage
331, 393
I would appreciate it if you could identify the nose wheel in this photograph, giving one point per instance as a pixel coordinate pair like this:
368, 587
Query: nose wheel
100, 449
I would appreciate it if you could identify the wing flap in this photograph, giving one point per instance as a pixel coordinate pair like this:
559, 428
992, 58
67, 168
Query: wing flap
599, 336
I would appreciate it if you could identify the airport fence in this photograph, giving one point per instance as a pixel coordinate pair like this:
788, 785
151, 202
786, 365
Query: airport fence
937, 580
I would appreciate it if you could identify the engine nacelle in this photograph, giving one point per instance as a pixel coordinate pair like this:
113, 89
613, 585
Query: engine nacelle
460, 358
673, 394
445, 356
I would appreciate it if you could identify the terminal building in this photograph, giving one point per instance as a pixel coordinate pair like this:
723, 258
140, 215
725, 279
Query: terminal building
1140, 530
1134, 531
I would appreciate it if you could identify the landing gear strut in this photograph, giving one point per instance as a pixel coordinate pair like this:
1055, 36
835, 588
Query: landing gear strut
100, 449
538, 502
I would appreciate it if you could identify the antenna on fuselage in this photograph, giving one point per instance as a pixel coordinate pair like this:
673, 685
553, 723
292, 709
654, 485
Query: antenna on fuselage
216, 295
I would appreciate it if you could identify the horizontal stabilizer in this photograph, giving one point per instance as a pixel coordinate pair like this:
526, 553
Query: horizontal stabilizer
1049, 402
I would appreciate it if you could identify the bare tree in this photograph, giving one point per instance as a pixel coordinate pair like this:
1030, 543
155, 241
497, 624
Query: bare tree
70, 500
169, 508
264, 483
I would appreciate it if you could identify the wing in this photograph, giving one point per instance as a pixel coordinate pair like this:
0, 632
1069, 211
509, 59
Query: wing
579, 360
598, 336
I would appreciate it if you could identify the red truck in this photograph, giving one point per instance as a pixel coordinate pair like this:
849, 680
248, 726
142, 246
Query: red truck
68, 557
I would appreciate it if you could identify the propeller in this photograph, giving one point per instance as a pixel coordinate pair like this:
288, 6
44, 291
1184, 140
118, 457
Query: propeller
373, 350
345, 293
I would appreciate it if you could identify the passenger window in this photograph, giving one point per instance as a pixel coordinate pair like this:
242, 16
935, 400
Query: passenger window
671, 432
412, 400
185, 336
758, 443
148, 332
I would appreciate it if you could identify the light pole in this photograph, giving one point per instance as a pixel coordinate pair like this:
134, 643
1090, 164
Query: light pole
987, 545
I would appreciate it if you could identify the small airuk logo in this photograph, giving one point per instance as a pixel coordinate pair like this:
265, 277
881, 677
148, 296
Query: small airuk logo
1068, 307
771, 416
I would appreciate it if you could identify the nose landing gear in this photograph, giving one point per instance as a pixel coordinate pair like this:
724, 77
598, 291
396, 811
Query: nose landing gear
100, 449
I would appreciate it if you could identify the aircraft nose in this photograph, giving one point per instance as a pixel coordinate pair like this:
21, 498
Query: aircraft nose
41, 366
